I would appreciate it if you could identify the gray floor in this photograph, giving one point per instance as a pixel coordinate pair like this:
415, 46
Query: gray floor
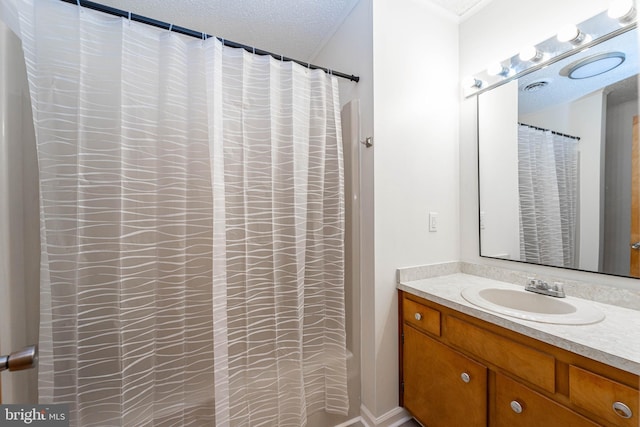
411, 423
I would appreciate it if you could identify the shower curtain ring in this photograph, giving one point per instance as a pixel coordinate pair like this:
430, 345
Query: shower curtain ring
170, 27
129, 17
79, 5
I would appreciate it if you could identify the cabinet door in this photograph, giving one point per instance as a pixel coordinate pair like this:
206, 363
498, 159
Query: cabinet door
442, 388
519, 406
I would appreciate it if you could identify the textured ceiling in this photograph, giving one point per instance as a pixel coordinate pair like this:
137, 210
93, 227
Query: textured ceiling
293, 28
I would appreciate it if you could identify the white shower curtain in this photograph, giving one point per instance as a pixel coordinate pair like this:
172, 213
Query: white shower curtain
192, 222
548, 189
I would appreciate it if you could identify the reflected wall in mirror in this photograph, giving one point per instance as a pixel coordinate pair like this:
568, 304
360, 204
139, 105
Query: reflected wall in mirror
558, 163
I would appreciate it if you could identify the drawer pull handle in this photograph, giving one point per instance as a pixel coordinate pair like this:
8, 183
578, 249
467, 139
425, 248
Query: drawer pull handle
418, 316
622, 410
516, 406
465, 377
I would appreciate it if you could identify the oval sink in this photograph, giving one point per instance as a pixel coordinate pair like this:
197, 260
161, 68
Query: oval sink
531, 306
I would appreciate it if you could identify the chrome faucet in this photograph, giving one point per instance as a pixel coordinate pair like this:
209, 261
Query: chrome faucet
541, 287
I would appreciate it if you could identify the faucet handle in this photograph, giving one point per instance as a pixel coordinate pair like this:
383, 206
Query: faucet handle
544, 285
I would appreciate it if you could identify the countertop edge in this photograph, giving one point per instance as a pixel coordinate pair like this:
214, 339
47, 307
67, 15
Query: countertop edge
506, 322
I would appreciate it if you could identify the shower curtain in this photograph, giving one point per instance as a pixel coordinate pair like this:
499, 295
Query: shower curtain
548, 189
192, 222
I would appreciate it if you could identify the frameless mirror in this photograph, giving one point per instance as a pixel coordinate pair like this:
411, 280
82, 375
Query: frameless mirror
559, 162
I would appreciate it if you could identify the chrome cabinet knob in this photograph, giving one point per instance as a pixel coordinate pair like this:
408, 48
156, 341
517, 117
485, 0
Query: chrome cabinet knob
418, 316
516, 406
622, 410
465, 377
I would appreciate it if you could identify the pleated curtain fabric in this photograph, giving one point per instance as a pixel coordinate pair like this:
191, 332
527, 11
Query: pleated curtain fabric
192, 225
548, 192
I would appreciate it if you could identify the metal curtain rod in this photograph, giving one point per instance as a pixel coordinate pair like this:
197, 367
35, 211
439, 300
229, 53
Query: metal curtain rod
200, 35
549, 130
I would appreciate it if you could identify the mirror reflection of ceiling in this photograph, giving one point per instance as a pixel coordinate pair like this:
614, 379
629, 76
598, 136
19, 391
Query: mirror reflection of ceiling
562, 89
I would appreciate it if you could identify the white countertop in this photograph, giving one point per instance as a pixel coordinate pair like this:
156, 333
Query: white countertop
614, 341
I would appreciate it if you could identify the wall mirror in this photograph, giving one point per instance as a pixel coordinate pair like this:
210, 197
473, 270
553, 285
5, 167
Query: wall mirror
559, 164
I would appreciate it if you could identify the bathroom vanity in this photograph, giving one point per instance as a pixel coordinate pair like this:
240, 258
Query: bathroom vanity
461, 365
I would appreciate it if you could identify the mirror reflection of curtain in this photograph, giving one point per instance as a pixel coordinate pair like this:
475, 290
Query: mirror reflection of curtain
548, 189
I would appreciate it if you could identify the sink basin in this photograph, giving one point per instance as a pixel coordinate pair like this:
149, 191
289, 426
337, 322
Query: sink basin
526, 305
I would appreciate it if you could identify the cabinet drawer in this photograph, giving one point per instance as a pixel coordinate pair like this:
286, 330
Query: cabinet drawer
421, 316
531, 365
517, 405
598, 395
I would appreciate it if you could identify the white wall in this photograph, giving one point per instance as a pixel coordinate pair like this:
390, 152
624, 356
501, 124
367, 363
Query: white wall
412, 50
416, 161
500, 207
497, 32
584, 118
19, 221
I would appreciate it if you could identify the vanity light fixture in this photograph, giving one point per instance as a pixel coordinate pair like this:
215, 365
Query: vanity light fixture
530, 53
570, 33
621, 17
497, 69
622, 10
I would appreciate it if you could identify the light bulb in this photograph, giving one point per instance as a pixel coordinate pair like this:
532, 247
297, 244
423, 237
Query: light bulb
530, 53
497, 69
568, 33
622, 10
571, 34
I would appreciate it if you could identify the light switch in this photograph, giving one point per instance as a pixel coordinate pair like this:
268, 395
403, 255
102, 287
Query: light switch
433, 221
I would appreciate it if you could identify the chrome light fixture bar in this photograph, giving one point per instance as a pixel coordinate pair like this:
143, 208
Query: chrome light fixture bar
591, 32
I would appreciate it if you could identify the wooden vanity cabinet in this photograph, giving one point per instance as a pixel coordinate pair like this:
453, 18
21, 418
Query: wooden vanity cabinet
442, 387
517, 405
457, 370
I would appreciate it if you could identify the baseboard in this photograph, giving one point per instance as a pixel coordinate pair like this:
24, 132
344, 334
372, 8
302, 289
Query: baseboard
351, 422
394, 418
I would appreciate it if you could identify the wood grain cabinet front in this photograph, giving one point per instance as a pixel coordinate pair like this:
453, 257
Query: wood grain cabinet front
610, 400
519, 406
458, 370
442, 387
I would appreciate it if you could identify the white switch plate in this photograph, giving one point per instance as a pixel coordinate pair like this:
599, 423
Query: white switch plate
433, 221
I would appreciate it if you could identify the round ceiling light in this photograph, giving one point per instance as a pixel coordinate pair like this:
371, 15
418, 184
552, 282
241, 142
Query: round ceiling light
594, 65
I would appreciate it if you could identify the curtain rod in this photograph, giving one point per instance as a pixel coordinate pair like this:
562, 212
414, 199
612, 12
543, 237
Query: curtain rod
200, 35
549, 130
